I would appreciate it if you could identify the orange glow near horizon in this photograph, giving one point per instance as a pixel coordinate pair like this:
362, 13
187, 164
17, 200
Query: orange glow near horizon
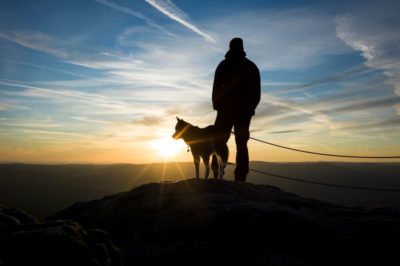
166, 149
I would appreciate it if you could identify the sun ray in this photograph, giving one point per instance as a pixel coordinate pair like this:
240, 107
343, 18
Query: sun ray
177, 165
164, 170
141, 173
166, 147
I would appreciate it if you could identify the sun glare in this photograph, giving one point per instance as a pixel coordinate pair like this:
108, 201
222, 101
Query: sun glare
167, 147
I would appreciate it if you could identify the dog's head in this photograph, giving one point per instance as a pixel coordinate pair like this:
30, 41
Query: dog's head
180, 128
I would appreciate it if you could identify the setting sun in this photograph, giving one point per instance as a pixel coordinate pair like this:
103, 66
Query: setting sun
167, 147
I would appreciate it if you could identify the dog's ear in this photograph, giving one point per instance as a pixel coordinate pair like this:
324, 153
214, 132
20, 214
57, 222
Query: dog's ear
177, 119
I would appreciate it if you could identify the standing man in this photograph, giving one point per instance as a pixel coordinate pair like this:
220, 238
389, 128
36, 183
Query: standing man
236, 94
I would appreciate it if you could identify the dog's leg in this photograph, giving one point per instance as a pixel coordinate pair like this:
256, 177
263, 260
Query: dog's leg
196, 160
221, 168
223, 161
206, 161
214, 166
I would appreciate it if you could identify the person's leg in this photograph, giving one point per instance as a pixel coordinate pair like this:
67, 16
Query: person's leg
242, 135
223, 125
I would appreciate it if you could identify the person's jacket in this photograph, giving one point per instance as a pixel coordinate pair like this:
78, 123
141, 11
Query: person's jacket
237, 85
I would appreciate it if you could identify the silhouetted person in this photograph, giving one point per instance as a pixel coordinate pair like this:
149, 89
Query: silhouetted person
236, 94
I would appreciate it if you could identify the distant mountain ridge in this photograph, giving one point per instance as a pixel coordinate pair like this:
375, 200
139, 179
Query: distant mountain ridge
43, 190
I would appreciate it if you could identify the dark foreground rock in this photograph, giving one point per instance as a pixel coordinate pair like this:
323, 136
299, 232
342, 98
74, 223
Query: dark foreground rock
24, 241
206, 222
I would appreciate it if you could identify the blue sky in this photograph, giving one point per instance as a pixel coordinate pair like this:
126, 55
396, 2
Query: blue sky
102, 81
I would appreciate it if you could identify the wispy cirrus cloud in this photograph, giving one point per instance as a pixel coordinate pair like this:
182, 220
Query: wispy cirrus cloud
281, 39
4, 106
390, 122
43, 67
36, 41
28, 123
173, 12
284, 131
62, 48
73, 98
374, 31
134, 13
365, 104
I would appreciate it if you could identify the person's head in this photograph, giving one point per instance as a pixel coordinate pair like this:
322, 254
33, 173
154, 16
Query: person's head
236, 49
236, 45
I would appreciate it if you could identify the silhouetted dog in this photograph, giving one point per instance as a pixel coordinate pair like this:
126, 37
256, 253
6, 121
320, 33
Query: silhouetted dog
203, 143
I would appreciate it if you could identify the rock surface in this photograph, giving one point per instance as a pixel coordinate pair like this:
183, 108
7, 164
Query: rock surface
25, 241
12, 217
198, 222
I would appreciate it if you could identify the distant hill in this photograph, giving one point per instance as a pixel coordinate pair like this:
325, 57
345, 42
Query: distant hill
199, 222
43, 190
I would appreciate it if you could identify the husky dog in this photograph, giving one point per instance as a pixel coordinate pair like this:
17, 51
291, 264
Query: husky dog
203, 143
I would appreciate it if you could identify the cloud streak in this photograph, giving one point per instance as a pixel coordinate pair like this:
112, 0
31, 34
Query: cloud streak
131, 12
377, 125
173, 12
36, 41
284, 131
281, 39
374, 31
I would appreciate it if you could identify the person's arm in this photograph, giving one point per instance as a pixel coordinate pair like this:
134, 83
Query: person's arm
256, 89
216, 92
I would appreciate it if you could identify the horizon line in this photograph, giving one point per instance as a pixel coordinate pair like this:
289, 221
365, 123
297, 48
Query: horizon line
169, 162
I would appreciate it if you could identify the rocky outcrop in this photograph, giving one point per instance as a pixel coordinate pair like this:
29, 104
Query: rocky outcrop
24, 241
12, 217
198, 222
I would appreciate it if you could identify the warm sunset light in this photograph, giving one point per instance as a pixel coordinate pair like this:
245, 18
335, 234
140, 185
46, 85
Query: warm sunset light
167, 147
99, 82
173, 132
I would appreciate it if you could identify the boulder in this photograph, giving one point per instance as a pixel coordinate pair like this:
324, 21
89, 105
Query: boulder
25, 241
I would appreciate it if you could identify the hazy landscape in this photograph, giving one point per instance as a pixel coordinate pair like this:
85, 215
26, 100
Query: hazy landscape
42, 190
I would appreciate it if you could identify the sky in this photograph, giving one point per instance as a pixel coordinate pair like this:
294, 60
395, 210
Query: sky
102, 81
